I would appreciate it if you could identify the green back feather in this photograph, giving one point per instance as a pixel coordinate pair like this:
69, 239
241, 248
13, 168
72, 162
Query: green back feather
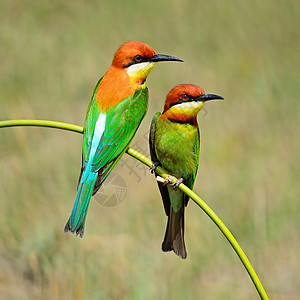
122, 122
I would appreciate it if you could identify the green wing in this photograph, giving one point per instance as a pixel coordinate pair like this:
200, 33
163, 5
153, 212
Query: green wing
196, 148
162, 188
122, 122
152, 137
92, 115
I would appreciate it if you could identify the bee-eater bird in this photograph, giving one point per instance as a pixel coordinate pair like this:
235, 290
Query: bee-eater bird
116, 109
174, 144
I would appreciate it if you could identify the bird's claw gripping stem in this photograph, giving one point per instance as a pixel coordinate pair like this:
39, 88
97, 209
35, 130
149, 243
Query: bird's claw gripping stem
176, 184
169, 179
153, 167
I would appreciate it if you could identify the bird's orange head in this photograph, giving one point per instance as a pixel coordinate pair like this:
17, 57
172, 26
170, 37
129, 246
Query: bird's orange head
138, 59
184, 102
132, 52
130, 67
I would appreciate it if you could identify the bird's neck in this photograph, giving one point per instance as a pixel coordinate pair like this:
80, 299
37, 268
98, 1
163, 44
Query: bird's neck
115, 86
185, 112
180, 118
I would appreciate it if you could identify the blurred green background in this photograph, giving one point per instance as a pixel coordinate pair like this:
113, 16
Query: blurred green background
51, 56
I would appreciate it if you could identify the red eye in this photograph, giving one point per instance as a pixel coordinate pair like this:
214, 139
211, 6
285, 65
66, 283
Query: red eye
137, 58
184, 97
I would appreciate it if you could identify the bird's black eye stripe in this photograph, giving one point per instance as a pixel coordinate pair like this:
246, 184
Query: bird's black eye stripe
183, 98
136, 60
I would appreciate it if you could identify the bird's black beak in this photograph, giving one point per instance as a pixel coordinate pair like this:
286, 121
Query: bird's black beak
207, 97
163, 57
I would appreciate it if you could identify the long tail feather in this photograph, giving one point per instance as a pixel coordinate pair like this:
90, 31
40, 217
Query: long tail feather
85, 189
174, 236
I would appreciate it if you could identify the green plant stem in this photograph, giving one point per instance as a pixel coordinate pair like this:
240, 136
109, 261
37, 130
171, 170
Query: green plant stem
161, 172
42, 123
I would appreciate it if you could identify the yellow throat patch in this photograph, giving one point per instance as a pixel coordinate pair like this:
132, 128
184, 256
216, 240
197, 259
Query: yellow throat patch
140, 71
187, 108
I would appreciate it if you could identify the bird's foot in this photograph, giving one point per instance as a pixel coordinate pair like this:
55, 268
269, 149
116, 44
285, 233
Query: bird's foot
176, 184
153, 167
169, 179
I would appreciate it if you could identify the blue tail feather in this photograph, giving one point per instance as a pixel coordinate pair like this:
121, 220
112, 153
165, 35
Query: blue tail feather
85, 189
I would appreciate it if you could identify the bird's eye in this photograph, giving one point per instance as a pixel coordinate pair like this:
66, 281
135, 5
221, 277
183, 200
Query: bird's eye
184, 97
137, 58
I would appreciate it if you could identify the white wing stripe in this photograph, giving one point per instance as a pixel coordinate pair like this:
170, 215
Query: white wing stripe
98, 133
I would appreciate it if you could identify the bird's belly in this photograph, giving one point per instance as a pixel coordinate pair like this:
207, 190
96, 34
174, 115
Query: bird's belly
176, 154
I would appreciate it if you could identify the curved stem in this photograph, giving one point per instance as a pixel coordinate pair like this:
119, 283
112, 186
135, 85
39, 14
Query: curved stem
42, 123
235, 245
161, 172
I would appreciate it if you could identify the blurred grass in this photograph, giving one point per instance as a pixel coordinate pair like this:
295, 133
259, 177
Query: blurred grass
51, 56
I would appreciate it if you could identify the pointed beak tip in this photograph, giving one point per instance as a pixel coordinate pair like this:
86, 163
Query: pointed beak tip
164, 57
179, 59
207, 97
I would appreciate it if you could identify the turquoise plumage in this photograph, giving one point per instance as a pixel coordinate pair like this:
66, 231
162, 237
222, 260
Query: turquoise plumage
119, 128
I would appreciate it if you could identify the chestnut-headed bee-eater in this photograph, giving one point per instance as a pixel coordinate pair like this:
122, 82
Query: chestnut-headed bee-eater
174, 144
116, 109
